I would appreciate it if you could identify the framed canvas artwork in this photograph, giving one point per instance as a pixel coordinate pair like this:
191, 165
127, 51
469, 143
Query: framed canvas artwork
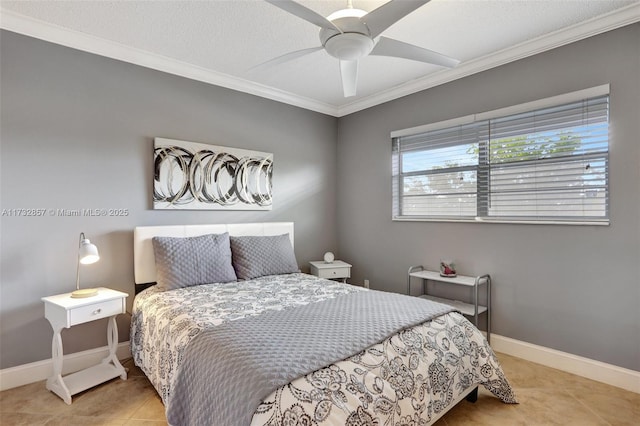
197, 176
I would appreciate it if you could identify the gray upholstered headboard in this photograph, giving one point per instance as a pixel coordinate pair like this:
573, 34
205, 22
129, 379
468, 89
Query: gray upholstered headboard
143, 257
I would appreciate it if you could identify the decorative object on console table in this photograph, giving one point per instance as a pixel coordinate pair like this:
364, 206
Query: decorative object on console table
87, 254
473, 309
337, 269
447, 268
64, 311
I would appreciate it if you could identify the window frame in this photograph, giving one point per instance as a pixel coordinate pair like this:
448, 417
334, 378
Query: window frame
483, 166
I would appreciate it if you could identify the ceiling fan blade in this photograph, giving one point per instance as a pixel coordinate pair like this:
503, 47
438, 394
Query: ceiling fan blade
304, 12
389, 13
349, 73
285, 58
399, 49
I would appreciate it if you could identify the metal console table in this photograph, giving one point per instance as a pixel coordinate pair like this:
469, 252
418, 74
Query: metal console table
473, 309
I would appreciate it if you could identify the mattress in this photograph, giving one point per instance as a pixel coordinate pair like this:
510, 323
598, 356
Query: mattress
411, 376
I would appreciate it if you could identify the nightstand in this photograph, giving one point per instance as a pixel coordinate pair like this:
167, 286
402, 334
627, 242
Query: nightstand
63, 311
334, 270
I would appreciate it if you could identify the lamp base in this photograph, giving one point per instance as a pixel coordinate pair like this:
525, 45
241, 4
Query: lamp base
84, 292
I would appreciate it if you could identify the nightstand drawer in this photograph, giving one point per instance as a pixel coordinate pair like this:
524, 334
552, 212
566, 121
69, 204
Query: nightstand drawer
95, 311
334, 273
334, 270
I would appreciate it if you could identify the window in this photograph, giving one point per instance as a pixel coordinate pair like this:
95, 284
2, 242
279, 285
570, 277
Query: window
544, 161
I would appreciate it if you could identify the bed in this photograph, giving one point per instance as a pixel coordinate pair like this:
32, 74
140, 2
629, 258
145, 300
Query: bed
273, 346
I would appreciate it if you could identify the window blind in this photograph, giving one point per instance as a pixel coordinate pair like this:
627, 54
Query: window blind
549, 164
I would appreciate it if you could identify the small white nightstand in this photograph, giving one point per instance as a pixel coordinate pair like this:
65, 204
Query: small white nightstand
334, 270
63, 311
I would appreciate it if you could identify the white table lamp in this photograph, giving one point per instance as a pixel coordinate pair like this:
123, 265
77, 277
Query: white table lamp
87, 254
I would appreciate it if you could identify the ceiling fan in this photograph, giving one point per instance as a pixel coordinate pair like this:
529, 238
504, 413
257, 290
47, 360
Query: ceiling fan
351, 34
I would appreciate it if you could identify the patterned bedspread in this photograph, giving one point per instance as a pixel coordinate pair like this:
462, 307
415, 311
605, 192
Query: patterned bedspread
406, 379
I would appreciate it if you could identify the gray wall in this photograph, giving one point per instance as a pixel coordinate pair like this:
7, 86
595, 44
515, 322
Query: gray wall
77, 132
572, 288
77, 129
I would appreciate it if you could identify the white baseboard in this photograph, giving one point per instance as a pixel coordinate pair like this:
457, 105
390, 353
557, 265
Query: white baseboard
580, 366
574, 364
41, 370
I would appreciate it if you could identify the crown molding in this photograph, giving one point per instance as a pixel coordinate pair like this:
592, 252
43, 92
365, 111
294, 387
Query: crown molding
598, 25
25, 25
36, 28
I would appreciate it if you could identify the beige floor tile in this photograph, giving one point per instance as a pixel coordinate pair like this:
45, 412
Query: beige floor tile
152, 409
27, 419
617, 406
542, 407
614, 405
115, 399
32, 398
85, 421
547, 397
487, 410
525, 374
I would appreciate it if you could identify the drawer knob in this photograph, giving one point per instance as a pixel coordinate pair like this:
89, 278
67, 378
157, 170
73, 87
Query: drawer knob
97, 311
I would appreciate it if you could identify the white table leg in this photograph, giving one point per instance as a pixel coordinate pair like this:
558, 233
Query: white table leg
112, 339
55, 383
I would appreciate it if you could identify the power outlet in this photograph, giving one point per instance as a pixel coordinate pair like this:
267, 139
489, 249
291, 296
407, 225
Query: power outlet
366, 283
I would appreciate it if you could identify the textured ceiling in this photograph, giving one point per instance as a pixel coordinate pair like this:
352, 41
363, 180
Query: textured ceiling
218, 41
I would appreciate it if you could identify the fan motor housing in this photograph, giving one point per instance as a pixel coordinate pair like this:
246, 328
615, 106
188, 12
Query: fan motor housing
349, 46
353, 43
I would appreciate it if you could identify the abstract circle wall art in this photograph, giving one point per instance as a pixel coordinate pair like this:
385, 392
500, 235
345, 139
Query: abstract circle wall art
197, 176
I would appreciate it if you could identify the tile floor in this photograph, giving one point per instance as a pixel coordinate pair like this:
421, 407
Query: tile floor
547, 397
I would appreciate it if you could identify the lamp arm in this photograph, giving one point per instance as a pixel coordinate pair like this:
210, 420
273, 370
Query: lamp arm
82, 237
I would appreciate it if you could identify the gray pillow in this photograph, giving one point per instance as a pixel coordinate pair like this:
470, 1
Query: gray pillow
257, 256
184, 262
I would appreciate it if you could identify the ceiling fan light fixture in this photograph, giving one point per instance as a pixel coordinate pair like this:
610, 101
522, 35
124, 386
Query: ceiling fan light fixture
349, 46
347, 13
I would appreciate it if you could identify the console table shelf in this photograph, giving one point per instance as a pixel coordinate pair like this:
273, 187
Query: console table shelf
465, 308
473, 308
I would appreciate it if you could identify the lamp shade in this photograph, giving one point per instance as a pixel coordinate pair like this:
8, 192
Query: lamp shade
88, 253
